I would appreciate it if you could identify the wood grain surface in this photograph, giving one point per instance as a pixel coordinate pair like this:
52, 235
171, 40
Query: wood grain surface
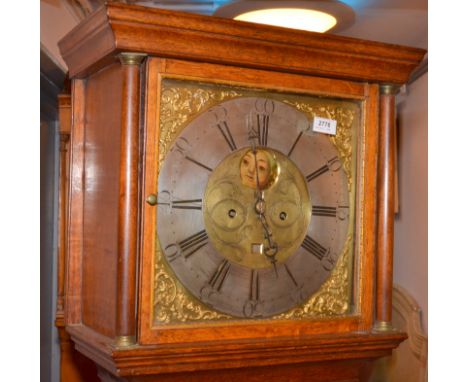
128, 201
119, 27
386, 198
107, 269
214, 357
365, 223
101, 199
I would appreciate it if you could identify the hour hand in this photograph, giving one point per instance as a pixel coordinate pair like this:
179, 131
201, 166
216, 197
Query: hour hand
260, 204
271, 248
270, 253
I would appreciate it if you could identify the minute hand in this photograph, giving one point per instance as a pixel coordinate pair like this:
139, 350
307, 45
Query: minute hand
272, 248
260, 206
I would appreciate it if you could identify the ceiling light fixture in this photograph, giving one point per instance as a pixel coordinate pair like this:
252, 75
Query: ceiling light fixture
314, 16
305, 19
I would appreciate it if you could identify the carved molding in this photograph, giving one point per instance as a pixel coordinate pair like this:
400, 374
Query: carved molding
407, 307
116, 26
409, 361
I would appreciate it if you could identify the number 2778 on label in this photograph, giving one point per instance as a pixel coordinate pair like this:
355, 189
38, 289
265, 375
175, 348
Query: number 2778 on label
324, 125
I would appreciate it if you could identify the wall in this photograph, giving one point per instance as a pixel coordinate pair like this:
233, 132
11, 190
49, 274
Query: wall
51, 82
50, 354
410, 261
56, 22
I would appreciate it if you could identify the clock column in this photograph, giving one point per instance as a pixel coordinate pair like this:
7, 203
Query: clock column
128, 200
386, 197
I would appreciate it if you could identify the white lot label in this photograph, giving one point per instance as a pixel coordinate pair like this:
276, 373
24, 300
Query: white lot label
324, 125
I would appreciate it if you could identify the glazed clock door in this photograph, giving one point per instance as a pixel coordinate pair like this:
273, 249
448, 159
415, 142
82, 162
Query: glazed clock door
251, 214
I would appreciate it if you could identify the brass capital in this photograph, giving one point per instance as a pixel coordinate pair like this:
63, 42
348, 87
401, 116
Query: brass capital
383, 326
131, 58
125, 341
389, 89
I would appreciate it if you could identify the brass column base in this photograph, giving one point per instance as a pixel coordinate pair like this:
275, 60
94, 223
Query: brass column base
383, 326
125, 341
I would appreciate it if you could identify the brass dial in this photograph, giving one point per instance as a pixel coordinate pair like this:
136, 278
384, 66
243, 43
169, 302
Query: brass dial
252, 207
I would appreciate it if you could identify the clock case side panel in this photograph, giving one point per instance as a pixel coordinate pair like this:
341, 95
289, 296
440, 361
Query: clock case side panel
157, 69
73, 267
94, 201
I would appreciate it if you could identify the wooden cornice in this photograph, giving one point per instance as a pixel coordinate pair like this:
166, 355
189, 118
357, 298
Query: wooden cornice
169, 358
119, 27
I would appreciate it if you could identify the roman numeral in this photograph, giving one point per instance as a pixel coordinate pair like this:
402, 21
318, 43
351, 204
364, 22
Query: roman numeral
290, 275
183, 147
187, 247
252, 304
294, 144
263, 120
224, 130
314, 248
193, 243
193, 204
324, 211
253, 285
165, 198
198, 163
316, 173
333, 164
217, 280
263, 109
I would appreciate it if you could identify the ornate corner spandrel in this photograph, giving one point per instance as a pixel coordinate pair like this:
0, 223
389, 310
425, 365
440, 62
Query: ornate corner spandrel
180, 104
174, 304
332, 299
345, 116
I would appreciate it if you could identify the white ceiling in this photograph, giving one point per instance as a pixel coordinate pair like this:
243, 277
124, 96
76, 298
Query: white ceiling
402, 22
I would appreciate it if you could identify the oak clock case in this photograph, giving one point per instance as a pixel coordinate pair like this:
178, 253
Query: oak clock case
178, 263
255, 210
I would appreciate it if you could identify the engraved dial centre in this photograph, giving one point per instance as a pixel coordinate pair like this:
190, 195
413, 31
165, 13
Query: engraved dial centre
231, 207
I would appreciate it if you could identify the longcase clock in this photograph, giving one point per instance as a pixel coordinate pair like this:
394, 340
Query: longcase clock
230, 198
